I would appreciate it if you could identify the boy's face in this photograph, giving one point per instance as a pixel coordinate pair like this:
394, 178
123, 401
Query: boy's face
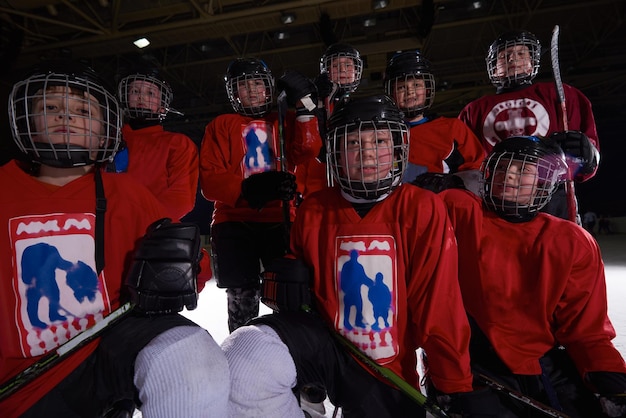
367, 155
514, 60
63, 116
410, 92
144, 95
515, 181
342, 70
252, 92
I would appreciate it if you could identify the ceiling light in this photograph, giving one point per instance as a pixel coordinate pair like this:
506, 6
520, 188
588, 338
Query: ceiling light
477, 5
281, 36
288, 18
379, 4
141, 43
368, 23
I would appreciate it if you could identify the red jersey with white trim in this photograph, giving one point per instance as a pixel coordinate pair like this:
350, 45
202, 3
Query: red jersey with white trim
533, 110
49, 288
388, 281
444, 145
532, 286
235, 147
166, 163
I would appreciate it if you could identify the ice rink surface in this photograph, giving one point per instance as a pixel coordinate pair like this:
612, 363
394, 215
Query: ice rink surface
211, 311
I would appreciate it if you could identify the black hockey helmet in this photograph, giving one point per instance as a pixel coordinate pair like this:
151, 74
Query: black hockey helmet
357, 115
503, 78
238, 73
406, 66
128, 85
76, 93
339, 50
539, 159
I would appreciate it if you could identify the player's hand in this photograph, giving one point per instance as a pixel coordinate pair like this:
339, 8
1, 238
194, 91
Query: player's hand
438, 182
582, 156
299, 89
324, 85
611, 390
258, 189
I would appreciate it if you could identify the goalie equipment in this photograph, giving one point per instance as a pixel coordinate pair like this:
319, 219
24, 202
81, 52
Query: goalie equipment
163, 275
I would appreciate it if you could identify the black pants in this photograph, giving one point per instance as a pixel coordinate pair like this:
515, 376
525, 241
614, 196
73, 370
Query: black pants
105, 379
559, 387
240, 249
322, 361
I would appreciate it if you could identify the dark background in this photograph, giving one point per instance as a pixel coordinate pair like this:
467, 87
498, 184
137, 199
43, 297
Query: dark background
194, 40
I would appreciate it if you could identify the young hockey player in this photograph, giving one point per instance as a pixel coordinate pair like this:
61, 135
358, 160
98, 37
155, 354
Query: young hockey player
439, 144
69, 233
520, 107
533, 286
341, 68
383, 263
243, 170
165, 162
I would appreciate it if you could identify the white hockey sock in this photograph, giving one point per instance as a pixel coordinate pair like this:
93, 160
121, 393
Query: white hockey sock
182, 373
262, 374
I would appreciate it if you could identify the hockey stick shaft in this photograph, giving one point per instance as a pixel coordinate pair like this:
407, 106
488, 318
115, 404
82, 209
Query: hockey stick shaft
551, 412
281, 101
572, 205
29, 374
392, 377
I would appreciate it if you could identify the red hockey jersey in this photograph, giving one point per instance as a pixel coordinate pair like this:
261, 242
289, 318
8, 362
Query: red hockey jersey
48, 283
533, 110
533, 286
234, 147
388, 281
444, 145
166, 163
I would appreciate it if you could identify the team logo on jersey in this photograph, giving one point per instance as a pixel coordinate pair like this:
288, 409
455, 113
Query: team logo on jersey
58, 291
366, 285
258, 142
514, 118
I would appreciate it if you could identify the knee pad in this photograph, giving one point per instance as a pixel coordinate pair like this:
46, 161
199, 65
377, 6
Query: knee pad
263, 373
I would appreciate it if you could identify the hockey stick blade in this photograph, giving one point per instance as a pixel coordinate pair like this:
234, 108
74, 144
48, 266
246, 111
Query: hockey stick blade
392, 377
551, 412
49, 360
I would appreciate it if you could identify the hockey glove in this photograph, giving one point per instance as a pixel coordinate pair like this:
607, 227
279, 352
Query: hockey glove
163, 275
298, 89
286, 285
258, 189
582, 156
610, 388
324, 86
480, 403
438, 182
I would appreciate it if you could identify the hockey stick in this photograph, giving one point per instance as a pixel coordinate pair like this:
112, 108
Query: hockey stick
281, 100
46, 362
391, 376
551, 412
572, 204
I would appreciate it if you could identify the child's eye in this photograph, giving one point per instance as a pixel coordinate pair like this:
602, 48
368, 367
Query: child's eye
51, 107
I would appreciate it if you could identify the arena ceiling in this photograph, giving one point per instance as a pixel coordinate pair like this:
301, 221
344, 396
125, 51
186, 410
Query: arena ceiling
192, 41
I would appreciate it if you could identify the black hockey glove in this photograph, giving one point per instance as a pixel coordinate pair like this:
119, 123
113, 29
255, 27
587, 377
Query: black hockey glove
582, 156
286, 285
258, 189
438, 182
325, 87
298, 89
480, 403
163, 275
610, 388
